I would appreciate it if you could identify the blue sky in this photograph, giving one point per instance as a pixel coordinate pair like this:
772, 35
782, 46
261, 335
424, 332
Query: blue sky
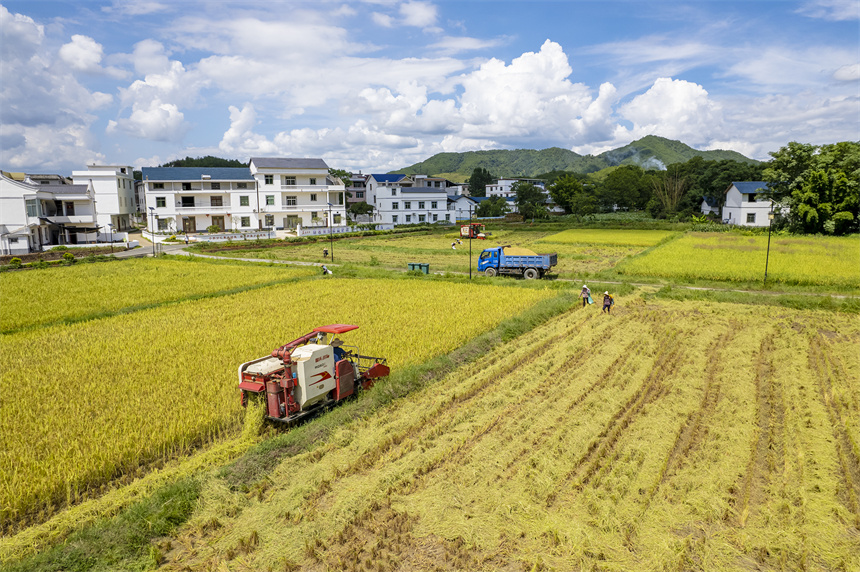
382, 84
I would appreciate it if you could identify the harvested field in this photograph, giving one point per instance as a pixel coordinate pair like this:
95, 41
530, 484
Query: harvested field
665, 437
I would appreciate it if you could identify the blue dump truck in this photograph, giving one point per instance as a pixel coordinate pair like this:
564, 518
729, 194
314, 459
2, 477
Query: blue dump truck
517, 261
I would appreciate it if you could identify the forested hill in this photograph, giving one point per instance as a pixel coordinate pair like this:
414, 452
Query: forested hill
207, 161
649, 152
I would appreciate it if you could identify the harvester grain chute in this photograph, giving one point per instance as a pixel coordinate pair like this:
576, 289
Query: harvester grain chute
309, 374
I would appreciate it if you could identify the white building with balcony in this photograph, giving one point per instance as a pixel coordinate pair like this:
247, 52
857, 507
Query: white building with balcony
412, 205
273, 193
113, 188
298, 192
43, 212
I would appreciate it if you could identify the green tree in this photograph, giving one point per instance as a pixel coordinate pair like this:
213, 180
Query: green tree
669, 187
360, 208
626, 188
820, 184
530, 201
494, 206
478, 182
568, 193
207, 161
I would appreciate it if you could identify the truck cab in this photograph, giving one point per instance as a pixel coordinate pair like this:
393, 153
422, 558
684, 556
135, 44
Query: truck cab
489, 259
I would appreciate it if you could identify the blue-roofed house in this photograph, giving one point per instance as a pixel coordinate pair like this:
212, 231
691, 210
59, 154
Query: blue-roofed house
745, 204
273, 193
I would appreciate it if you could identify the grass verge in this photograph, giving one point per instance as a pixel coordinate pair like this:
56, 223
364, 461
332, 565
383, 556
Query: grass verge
847, 305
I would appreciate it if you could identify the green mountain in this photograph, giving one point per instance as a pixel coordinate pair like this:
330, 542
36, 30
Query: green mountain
650, 152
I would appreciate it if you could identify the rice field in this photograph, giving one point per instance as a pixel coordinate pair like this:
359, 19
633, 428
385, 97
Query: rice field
91, 402
597, 249
828, 261
668, 436
613, 237
35, 297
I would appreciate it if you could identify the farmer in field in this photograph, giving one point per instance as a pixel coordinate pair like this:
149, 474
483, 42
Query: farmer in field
325, 252
325, 270
608, 302
453, 247
585, 295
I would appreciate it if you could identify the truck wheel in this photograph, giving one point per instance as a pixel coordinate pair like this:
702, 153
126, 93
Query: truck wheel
491, 271
530, 273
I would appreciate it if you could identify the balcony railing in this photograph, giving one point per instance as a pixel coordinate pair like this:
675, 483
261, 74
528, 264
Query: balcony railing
202, 209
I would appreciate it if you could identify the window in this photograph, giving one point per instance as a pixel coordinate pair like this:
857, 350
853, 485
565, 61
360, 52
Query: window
270, 220
187, 202
313, 181
313, 197
162, 224
32, 207
394, 206
243, 201
750, 218
393, 192
407, 205
290, 201
241, 185
448, 217
422, 218
157, 185
160, 202
314, 215
420, 204
245, 221
435, 217
216, 186
340, 198
291, 181
336, 219
433, 205
122, 170
216, 201
438, 183
13, 241
394, 219
186, 186
270, 200
270, 179
409, 218
751, 198
359, 194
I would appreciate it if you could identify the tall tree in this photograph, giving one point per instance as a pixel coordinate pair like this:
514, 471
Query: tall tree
820, 185
669, 187
494, 206
531, 200
478, 182
568, 193
626, 188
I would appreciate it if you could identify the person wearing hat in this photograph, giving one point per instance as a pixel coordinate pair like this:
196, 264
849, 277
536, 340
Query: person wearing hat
608, 301
585, 295
339, 352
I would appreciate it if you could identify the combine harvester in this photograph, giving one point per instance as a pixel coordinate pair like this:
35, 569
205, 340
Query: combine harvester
309, 375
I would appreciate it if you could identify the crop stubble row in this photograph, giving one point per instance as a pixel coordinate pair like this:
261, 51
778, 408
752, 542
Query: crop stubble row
623, 440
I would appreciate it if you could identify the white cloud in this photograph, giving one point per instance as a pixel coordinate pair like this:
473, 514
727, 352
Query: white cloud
240, 139
418, 14
675, 109
135, 7
451, 45
47, 113
150, 57
832, 9
154, 120
849, 72
85, 55
383, 20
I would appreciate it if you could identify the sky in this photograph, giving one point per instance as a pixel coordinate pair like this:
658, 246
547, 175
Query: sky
378, 85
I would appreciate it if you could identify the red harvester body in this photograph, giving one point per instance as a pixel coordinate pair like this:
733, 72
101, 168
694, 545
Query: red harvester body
308, 374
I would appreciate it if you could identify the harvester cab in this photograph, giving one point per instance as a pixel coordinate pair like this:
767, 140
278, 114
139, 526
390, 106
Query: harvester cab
309, 374
474, 230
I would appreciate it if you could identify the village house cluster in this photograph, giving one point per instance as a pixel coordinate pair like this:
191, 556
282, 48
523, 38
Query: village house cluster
272, 197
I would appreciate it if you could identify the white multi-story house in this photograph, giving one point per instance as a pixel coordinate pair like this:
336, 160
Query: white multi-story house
375, 184
298, 192
412, 205
273, 193
504, 187
44, 211
745, 204
113, 187
461, 207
